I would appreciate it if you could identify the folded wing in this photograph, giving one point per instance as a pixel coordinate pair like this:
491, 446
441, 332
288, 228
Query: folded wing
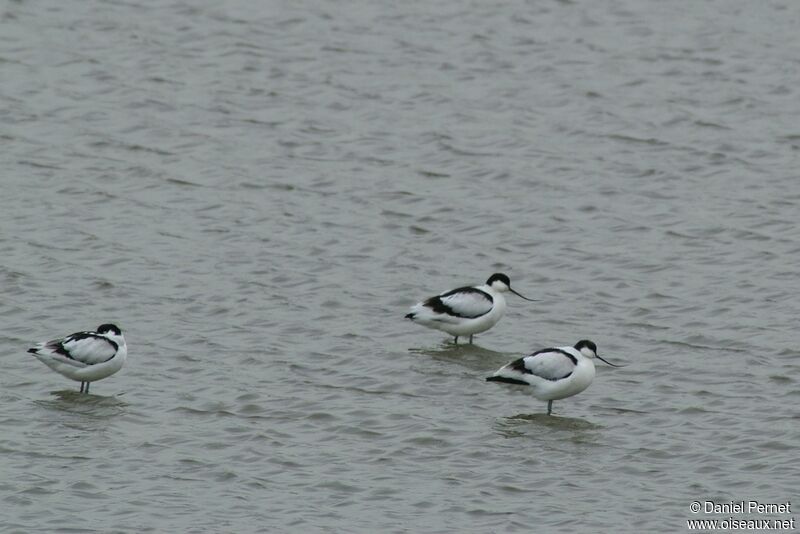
465, 302
550, 364
87, 348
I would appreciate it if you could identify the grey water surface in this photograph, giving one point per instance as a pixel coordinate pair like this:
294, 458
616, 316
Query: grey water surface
257, 191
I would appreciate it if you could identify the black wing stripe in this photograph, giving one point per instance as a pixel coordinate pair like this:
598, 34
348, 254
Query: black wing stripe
436, 304
507, 380
58, 345
560, 351
519, 365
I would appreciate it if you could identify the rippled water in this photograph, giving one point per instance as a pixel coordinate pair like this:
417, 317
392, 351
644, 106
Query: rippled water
256, 192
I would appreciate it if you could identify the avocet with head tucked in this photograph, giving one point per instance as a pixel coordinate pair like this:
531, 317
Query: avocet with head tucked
465, 311
555, 373
85, 356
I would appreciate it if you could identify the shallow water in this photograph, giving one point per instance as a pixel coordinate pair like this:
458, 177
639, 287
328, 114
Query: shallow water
256, 192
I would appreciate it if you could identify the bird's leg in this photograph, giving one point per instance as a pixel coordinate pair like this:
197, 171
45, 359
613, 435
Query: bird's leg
456, 340
87, 387
549, 407
470, 339
82, 384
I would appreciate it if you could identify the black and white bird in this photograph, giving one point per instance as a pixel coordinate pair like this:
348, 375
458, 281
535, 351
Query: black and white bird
554, 373
465, 311
85, 356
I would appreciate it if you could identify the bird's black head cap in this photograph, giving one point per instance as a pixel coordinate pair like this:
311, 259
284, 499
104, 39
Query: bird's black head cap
586, 343
498, 277
109, 328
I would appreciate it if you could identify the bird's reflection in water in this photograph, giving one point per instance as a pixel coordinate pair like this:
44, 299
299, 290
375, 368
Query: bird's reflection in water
543, 427
473, 356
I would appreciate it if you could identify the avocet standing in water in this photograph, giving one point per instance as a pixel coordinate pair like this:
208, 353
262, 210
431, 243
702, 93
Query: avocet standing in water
465, 311
555, 373
85, 356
